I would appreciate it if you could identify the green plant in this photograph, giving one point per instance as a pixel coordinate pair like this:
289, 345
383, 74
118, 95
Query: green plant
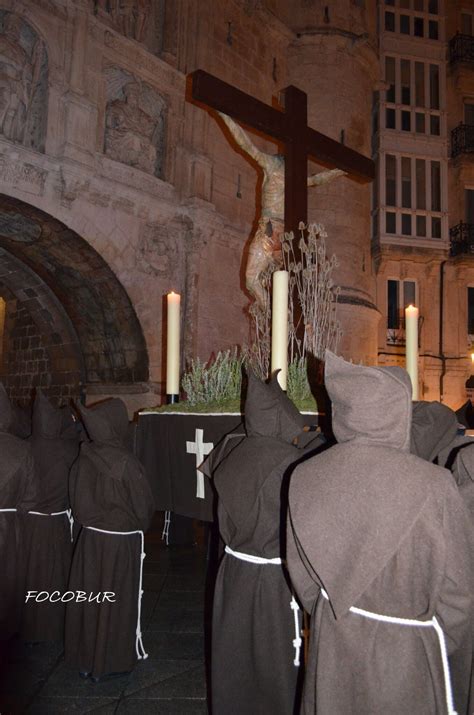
298, 388
218, 381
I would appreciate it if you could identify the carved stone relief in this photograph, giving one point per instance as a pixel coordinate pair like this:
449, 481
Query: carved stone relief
23, 82
138, 20
160, 251
134, 123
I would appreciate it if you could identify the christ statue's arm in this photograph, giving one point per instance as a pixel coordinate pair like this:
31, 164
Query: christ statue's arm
324, 177
243, 140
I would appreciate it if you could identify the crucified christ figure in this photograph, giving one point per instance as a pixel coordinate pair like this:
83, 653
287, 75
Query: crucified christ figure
265, 247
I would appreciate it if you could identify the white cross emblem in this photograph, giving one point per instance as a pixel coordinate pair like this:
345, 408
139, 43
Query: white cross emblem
200, 449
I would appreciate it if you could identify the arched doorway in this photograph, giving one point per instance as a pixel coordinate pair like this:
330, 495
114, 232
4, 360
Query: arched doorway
68, 321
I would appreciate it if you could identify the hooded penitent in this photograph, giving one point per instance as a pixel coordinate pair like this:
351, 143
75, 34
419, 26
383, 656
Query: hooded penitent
253, 624
434, 427
384, 531
48, 547
17, 492
109, 493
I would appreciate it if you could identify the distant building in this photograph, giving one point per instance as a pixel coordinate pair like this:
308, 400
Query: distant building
115, 190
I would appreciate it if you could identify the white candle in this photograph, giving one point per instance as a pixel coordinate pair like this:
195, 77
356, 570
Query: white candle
172, 344
280, 326
411, 338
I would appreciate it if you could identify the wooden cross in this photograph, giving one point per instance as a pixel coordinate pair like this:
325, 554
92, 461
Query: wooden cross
290, 127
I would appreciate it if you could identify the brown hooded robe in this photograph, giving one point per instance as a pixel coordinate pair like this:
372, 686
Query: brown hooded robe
253, 626
381, 530
433, 429
47, 539
17, 492
108, 491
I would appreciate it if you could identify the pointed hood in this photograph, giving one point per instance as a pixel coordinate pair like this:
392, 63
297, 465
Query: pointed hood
269, 412
47, 419
6, 411
463, 467
107, 422
370, 405
434, 427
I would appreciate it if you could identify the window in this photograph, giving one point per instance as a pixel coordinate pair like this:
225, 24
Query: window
469, 205
434, 86
406, 182
393, 290
419, 5
390, 21
420, 184
390, 180
415, 85
433, 7
418, 27
400, 294
419, 84
390, 222
466, 23
405, 79
433, 30
405, 4
405, 24
421, 226
413, 197
390, 119
435, 186
390, 78
406, 224
470, 311
434, 125
469, 114
419, 123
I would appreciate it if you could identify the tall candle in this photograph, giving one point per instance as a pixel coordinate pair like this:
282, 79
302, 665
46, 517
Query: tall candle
411, 338
280, 326
172, 344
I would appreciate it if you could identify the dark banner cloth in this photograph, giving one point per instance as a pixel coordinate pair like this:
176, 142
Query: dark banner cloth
171, 446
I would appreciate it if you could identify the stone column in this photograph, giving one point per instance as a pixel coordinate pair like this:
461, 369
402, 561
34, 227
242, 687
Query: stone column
339, 70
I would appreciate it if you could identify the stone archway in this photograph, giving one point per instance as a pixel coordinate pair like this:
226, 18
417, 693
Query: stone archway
69, 320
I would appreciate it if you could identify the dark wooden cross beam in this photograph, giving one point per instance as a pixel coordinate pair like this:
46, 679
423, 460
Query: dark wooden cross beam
289, 126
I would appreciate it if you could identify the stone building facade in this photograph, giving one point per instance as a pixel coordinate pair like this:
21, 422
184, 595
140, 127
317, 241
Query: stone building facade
114, 189
421, 235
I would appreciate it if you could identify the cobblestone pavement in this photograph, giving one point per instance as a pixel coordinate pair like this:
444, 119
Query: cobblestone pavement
172, 680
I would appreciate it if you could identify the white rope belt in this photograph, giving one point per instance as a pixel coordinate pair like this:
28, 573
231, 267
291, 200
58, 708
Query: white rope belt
68, 513
7, 509
139, 647
433, 623
250, 558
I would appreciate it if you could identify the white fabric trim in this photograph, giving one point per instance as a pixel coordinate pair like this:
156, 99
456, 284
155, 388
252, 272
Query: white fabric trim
8, 510
209, 414
165, 535
251, 558
58, 513
139, 647
297, 639
433, 623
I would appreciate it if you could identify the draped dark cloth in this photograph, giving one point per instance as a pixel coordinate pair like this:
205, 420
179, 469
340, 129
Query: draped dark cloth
109, 492
47, 539
17, 491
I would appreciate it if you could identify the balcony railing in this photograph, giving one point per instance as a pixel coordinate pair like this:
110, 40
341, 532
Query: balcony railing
396, 329
461, 239
462, 140
461, 49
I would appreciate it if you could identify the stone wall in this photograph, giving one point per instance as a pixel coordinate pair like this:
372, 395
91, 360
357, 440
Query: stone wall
26, 363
